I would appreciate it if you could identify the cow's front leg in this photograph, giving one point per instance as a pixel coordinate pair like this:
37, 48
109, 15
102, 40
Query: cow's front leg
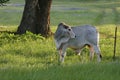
62, 54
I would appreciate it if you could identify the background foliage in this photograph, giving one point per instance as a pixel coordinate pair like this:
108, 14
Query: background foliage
3, 1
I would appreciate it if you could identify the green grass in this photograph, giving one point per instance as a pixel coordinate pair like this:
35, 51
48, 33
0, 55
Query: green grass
69, 72
32, 57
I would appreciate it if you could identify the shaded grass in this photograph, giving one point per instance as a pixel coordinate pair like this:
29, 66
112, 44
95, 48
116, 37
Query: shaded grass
89, 71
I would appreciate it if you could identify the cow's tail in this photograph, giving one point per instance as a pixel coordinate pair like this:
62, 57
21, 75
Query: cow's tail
98, 37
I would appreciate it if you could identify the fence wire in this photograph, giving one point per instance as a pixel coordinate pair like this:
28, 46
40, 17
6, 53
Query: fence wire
109, 41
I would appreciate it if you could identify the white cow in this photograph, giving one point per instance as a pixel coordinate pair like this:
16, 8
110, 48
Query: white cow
77, 38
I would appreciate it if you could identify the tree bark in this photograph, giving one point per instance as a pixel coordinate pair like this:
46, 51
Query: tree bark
36, 17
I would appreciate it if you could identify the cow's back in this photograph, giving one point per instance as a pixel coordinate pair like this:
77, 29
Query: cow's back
86, 29
86, 33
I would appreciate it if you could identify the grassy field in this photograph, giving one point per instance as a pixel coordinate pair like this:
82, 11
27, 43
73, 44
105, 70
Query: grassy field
32, 57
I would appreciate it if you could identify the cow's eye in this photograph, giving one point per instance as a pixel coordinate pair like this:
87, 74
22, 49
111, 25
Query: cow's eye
69, 29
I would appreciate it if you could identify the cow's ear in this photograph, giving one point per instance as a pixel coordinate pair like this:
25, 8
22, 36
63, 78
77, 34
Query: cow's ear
66, 27
61, 24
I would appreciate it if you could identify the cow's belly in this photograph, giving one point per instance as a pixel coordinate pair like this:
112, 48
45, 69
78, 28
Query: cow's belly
76, 43
77, 46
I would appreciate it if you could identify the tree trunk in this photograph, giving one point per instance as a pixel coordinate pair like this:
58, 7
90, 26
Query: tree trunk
36, 17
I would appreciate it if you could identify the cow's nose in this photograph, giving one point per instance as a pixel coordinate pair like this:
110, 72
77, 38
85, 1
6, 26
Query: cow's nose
75, 36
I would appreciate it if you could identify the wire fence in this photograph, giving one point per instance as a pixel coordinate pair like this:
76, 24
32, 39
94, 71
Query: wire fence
109, 41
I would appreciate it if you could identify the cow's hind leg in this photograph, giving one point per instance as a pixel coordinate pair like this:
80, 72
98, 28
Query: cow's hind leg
91, 52
97, 50
78, 51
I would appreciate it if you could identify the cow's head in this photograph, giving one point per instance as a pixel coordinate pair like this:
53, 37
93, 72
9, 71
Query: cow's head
63, 34
66, 31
